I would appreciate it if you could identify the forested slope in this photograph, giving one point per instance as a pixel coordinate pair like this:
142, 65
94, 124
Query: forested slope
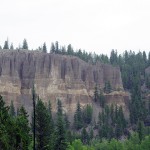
110, 129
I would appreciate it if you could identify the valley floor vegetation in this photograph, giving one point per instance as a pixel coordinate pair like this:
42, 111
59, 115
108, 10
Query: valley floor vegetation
110, 132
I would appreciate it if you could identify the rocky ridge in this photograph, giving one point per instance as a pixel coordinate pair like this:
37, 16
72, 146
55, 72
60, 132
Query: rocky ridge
56, 76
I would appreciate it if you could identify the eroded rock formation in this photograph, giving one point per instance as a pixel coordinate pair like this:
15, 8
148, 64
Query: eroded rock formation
55, 76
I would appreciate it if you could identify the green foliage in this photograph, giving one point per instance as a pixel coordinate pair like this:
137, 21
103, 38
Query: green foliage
127, 144
113, 57
87, 114
57, 47
77, 145
25, 44
70, 50
111, 122
60, 132
4, 125
141, 130
6, 45
82, 54
44, 48
52, 49
147, 81
107, 88
96, 94
67, 123
14, 131
42, 125
51, 122
78, 118
12, 109
101, 99
99, 96
145, 144
22, 129
11, 46
84, 136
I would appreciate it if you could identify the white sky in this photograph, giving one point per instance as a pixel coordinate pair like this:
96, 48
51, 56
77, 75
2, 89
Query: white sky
93, 25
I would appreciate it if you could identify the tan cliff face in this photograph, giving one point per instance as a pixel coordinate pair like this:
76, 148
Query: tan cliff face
55, 76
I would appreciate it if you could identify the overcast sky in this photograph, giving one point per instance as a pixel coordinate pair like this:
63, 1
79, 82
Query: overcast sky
93, 25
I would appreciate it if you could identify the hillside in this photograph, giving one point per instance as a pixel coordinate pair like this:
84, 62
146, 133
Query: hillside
56, 76
78, 96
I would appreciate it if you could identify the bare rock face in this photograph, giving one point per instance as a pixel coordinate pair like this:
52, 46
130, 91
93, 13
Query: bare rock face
55, 76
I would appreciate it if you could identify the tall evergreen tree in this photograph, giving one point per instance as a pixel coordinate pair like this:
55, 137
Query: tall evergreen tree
78, 118
96, 94
34, 115
87, 114
52, 50
4, 125
25, 44
57, 47
60, 132
101, 99
11, 46
6, 45
141, 130
22, 130
84, 136
69, 50
12, 109
44, 49
42, 125
51, 126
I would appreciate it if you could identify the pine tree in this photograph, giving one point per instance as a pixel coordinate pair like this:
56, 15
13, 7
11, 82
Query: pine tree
11, 46
57, 47
96, 94
100, 119
69, 136
141, 130
122, 118
33, 117
50, 115
149, 107
12, 109
67, 123
60, 132
44, 49
6, 45
78, 119
87, 114
69, 50
91, 134
4, 125
52, 50
113, 57
51, 126
84, 136
63, 50
25, 44
42, 125
22, 129
101, 99
118, 129
112, 114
